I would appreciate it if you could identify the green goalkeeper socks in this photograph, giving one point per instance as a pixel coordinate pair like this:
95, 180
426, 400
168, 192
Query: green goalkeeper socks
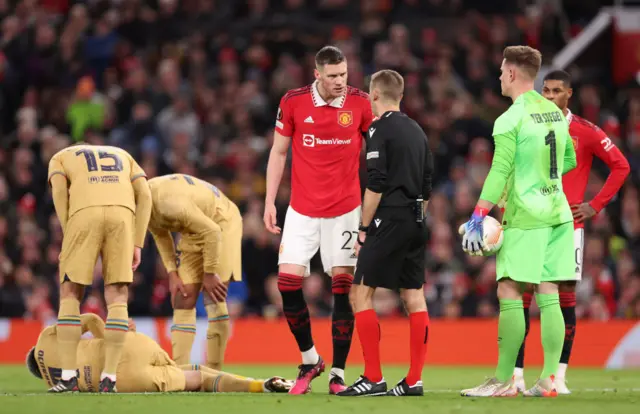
510, 337
552, 327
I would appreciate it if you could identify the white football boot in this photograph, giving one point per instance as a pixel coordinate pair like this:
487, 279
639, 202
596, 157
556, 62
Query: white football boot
492, 388
561, 386
544, 388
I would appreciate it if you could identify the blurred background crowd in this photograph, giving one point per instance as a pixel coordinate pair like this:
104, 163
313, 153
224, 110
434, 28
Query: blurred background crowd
192, 86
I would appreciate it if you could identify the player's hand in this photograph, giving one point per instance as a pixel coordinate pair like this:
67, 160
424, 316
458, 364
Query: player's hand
362, 235
137, 258
472, 238
270, 219
582, 212
176, 287
213, 286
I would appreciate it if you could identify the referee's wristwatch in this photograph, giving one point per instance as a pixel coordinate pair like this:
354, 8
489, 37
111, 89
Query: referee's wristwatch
362, 228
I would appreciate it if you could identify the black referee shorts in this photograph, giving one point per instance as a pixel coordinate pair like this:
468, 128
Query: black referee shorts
393, 254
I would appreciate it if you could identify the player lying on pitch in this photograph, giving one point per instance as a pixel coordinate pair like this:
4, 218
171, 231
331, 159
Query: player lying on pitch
143, 367
207, 257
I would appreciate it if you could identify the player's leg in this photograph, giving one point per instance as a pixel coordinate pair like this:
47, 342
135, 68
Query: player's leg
337, 241
80, 247
230, 270
518, 372
558, 267
117, 256
379, 265
567, 293
568, 307
201, 378
183, 330
519, 261
300, 241
412, 294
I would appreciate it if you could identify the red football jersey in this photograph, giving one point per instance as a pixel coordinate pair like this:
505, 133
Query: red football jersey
326, 140
590, 141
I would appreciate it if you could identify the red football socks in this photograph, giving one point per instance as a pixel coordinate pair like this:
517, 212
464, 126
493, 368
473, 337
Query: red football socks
369, 334
419, 335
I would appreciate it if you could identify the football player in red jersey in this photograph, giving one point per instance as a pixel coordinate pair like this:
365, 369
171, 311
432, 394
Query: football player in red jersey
589, 141
324, 124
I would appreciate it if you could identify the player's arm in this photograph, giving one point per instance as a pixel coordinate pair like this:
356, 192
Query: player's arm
277, 162
570, 161
210, 232
143, 203
91, 322
59, 191
195, 221
376, 175
619, 169
166, 247
501, 167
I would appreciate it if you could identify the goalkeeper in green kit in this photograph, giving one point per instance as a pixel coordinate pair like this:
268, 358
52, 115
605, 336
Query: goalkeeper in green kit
533, 149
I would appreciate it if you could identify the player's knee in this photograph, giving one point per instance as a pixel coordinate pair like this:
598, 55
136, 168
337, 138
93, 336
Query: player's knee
567, 287
116, 293
341, 284
188, 297
289, 282
70, 290
509, 289
547, 288
414, 300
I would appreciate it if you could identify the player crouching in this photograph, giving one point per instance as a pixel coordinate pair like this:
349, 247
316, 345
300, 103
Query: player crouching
143, 367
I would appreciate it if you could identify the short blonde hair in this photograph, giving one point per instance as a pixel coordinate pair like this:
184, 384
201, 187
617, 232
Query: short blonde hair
390, 83
524, 57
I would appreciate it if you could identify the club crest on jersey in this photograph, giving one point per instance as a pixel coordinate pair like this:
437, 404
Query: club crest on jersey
345, 118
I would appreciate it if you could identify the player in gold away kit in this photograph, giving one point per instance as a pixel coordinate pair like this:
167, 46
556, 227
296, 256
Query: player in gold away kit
143, 367
103, 203
207, 257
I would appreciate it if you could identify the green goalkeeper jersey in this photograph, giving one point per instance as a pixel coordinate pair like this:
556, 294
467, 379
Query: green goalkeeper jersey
533, 149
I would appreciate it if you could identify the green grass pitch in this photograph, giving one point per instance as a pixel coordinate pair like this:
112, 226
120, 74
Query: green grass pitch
595, 391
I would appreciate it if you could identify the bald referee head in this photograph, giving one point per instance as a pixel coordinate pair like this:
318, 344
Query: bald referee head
385, 91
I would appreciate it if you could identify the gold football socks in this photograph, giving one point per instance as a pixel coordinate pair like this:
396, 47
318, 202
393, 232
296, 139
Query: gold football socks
217, 334
69, 331
115, 333
183, 333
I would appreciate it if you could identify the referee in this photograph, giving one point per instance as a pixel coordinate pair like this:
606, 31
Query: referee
392, 237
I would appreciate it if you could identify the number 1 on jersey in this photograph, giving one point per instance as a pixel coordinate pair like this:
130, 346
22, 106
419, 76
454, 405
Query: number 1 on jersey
550, 140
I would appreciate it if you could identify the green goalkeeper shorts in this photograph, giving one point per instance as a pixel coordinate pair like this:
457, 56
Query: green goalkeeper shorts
537, 255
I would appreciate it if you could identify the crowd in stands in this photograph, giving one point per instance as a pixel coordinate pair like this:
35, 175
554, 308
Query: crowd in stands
192, 86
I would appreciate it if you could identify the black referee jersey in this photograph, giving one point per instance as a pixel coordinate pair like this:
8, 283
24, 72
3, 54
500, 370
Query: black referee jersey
399, 165
399, 162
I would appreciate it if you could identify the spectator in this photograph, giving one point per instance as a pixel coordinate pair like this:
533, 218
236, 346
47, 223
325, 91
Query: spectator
193, 87
87, 111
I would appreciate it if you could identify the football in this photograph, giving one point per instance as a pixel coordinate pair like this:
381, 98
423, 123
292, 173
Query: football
493, 235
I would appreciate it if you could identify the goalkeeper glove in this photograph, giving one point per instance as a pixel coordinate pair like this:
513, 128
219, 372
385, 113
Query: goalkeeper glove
473, 234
